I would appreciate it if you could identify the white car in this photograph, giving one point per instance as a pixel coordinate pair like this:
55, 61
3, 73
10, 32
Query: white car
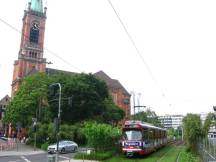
64, 146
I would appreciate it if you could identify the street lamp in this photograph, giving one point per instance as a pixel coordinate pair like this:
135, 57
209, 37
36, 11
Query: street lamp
59, 115
214, 108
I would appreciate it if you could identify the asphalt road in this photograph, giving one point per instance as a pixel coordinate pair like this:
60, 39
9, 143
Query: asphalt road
35, 158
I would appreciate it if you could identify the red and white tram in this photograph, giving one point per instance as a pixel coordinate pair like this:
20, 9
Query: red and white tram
142, 138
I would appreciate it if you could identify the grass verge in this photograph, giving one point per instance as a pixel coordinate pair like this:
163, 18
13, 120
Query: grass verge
95, 155
186, 156
166, 154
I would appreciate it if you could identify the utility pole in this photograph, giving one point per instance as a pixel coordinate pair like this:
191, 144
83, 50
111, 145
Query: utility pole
182, 133
138, 101
133, 94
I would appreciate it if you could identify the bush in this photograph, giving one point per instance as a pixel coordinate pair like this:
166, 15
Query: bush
79, 135
95, 155
42, 133
66, 132
46, 134
44, 146
101, 136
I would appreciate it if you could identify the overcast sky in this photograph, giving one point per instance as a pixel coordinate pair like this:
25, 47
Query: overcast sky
175, 39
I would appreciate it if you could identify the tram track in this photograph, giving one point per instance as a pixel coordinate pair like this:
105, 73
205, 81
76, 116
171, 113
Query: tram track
173, 145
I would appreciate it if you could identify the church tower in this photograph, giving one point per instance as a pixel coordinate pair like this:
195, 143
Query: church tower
30, 56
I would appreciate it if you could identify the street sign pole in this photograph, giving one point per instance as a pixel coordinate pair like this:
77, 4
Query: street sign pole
59, 117
18, 127
34, 129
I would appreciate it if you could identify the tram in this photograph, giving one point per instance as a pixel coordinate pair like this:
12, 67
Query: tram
142, 138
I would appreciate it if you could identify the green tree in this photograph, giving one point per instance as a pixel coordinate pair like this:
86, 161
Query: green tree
148, 116
28, 101
113, 113
88, 95
174, 133
171, 133
209, 121
192, 130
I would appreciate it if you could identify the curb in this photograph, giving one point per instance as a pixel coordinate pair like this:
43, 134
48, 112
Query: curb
3, 138
73, 160
15, 153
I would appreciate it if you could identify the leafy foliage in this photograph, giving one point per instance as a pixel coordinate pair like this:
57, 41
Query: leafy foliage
95, 155
101, 136
174, 133
89, 99
89, 96
209, 121
192, 130
148, 116
25, 104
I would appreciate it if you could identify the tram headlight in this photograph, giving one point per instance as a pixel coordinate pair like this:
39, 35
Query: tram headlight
123, 143
140, 144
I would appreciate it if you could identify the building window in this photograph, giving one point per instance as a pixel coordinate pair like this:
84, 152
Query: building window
115, 98
126, 101
34, 35
33, 54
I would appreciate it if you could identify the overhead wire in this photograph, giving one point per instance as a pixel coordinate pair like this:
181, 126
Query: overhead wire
126, 31
136, 48
46, 49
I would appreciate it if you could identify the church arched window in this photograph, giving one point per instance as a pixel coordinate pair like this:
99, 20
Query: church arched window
34, 35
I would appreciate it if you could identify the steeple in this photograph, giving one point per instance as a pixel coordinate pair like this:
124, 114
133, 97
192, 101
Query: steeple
37, 5
30, 56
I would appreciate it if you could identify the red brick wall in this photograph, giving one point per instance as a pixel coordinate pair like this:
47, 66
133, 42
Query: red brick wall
118, 98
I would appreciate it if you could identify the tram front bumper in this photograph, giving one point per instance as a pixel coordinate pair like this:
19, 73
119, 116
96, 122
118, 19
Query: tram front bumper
132, 151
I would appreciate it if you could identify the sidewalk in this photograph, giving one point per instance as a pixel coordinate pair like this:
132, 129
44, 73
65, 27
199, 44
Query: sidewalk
24, 149
73, 160
21, 149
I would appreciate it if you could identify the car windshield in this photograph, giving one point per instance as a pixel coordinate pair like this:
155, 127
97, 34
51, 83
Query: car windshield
132, 135
70, 142
62, 143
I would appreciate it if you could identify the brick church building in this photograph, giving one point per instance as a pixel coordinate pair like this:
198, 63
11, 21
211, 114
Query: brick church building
31, 60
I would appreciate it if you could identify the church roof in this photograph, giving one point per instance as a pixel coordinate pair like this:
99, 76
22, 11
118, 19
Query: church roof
37, 5
5, 100
50, 71
111, 83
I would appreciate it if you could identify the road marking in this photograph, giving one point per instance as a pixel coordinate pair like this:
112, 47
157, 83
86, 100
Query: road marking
64, 157
25, 159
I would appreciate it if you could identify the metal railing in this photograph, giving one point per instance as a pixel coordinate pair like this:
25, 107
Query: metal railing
10, 144
207, 150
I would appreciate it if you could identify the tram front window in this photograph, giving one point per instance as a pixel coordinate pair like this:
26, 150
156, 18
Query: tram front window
133, 135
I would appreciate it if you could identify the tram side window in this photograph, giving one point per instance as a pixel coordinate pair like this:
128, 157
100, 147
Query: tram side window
145, 134
151, 135
154, 133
